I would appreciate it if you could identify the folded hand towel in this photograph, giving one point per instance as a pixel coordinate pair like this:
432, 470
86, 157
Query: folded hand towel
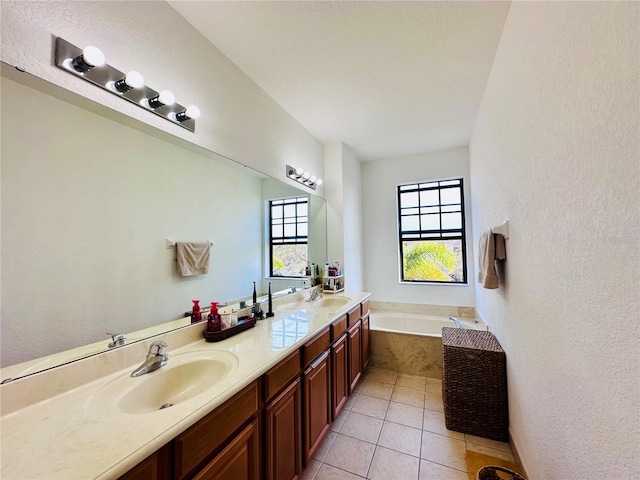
491, 247
193, 258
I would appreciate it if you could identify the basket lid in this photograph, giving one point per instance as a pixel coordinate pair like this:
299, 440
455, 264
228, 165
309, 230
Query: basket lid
475, 339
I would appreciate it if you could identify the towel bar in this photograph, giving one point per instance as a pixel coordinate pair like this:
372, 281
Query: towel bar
502, 229
172, 243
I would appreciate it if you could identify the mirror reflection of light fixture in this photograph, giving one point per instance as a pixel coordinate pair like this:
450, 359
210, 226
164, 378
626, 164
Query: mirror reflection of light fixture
305, 178
191, 112
130, 81
89, 64
91, 57
165, 97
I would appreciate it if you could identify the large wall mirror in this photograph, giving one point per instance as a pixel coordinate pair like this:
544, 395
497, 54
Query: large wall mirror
89, 199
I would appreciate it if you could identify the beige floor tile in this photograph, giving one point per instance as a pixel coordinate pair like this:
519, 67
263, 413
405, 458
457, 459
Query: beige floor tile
362, 427
325, 446
405, 414
377, 389
412, 381
408, 396
390, 465
434, 422
434, 385
384, 376
488, 442
327, 472
444, 450
358, 386
493, 452
338, 422
350, 454
433, 401
400, 438
350, 401
310, 472
372, 406
434, 471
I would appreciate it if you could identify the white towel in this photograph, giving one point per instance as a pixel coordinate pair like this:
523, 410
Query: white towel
193, 258
490, 248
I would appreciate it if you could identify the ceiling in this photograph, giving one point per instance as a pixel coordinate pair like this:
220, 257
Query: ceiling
389, 79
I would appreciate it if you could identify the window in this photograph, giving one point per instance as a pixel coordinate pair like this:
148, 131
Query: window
289, 226
431, 232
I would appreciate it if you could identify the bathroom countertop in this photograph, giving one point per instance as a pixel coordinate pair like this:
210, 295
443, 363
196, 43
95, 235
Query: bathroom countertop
77, 431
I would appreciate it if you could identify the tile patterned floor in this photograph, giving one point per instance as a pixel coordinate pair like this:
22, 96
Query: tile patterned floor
392, 428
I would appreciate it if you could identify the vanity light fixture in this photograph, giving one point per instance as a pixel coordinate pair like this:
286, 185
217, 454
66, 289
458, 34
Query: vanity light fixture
191, 112
89, 64
303, 177
131, 80
91, 57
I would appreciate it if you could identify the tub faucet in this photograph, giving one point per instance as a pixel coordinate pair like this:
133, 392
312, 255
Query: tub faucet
155, 359
117, 340
314, 294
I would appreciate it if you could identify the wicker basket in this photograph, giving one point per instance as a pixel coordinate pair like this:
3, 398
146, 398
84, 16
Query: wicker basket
491, 473
474, 383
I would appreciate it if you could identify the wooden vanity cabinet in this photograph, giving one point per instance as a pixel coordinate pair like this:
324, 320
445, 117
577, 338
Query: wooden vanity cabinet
224, 444
283, 420
156, 466
339, 366
316, 392
354, 351
366, 350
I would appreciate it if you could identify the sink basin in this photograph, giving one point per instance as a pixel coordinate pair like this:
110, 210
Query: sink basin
184, 377
331, 302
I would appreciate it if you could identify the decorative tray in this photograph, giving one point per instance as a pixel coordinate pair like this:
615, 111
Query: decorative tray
243, 324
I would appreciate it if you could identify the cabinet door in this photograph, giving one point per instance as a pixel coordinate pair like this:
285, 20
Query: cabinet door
340, 375
156, 466
354, 349
238, 460
317, 403
366, 353
283, 427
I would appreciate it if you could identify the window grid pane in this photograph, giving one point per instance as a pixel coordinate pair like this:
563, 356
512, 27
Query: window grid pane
289, 224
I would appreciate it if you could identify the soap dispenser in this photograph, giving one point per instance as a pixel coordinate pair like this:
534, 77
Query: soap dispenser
196, 314
214, 322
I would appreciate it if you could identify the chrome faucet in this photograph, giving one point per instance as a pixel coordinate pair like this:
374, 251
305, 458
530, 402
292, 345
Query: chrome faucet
314, 294
117, 340
155, 359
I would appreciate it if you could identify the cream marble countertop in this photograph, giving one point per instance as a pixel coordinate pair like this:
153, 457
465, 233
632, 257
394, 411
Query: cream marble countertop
65, 423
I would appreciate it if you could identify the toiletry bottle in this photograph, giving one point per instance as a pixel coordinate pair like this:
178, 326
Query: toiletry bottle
255, 295
214, 323
326, 269
307, 271
196, 315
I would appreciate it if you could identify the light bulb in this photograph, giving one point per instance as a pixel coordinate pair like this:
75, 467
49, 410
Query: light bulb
132, 80
319, 182
306, 175
91, 57
164, 98
313, 179
191, 112
299, 172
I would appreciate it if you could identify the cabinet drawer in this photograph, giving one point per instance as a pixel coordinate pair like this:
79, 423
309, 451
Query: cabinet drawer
315, 347
280, 375
195, 445
365, 308
338, 328
353, 315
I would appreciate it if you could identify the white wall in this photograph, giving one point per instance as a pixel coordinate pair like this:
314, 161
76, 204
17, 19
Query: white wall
380, 220
87, 206
239, 120
555, 150
344, 212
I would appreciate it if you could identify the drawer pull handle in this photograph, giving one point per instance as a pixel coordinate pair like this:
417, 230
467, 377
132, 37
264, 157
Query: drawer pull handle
320, 359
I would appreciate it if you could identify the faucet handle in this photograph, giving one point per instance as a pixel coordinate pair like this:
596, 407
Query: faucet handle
158, 345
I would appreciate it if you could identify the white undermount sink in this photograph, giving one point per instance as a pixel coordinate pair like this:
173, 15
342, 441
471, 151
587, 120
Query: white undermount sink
185, 376
331, 302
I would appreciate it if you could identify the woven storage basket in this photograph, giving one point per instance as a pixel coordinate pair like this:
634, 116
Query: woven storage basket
474, 383
491, 473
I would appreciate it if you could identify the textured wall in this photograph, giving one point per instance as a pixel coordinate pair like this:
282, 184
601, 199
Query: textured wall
555, 150
239, 120
380, 226
87, 204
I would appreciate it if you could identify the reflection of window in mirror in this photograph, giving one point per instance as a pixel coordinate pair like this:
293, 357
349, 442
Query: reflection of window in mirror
288, 236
